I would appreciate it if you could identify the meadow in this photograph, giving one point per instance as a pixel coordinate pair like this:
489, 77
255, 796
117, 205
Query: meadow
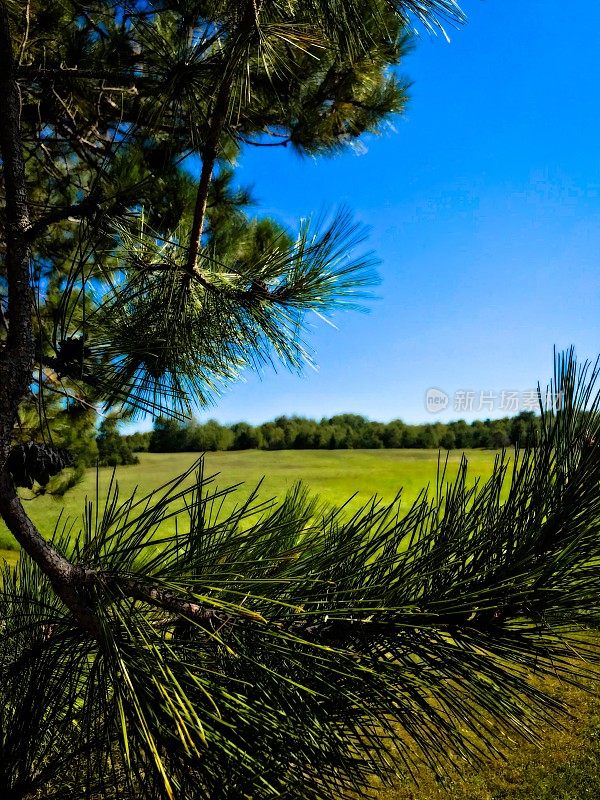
336, 476
563, 765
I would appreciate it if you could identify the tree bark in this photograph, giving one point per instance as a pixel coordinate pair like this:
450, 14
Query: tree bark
17, 358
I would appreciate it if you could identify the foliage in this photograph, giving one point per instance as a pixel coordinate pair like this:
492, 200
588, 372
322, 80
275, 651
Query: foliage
113, 449
342, 432
139, 442
66, 426
114, 98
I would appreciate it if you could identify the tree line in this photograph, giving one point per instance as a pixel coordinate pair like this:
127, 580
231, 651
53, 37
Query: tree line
340, 432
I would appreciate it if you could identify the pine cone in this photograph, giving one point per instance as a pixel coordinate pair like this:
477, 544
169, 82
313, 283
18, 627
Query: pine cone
71, 357
36, 462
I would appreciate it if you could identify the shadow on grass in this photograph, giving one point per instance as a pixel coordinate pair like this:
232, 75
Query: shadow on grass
563, 765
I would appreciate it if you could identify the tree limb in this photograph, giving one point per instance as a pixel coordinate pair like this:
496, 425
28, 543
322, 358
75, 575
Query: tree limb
86, 208
216, 125
67, 579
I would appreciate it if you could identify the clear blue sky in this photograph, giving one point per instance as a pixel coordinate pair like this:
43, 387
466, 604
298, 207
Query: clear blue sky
484, 208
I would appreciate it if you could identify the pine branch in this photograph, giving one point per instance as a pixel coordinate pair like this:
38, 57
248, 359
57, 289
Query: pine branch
121, 79
84, 209
216, 125
222, 637
65, 578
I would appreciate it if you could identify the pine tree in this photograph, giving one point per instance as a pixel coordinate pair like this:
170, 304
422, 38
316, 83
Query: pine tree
168, 648
113, 449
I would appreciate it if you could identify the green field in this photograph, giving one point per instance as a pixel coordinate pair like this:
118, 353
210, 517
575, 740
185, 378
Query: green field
564, 766
335, 475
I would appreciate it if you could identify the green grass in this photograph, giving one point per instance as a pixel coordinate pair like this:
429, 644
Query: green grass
334, 475
10, 556
563, 765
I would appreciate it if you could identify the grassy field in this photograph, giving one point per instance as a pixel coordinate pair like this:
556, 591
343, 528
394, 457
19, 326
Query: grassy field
334, 475
564, 766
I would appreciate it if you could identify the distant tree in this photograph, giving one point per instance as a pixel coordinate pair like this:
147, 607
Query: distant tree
524, 429
210, 436
113, 449
245, 437
448, 440
139, 442
372, 435
306, 434
354, 426
499, 434
168, 436
481, 435
394, 434
424, 437
463, 435
273, 436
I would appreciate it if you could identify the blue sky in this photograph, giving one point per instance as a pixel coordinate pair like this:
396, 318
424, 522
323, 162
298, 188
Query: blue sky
483, 204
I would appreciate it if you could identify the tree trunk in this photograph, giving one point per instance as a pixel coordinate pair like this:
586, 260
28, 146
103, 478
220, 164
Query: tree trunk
18, 356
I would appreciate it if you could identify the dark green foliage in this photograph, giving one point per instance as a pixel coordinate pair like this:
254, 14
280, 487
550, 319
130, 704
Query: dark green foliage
113, 449
67, 427
343, 432
208, 437
168, 436
245, 437
139, 442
